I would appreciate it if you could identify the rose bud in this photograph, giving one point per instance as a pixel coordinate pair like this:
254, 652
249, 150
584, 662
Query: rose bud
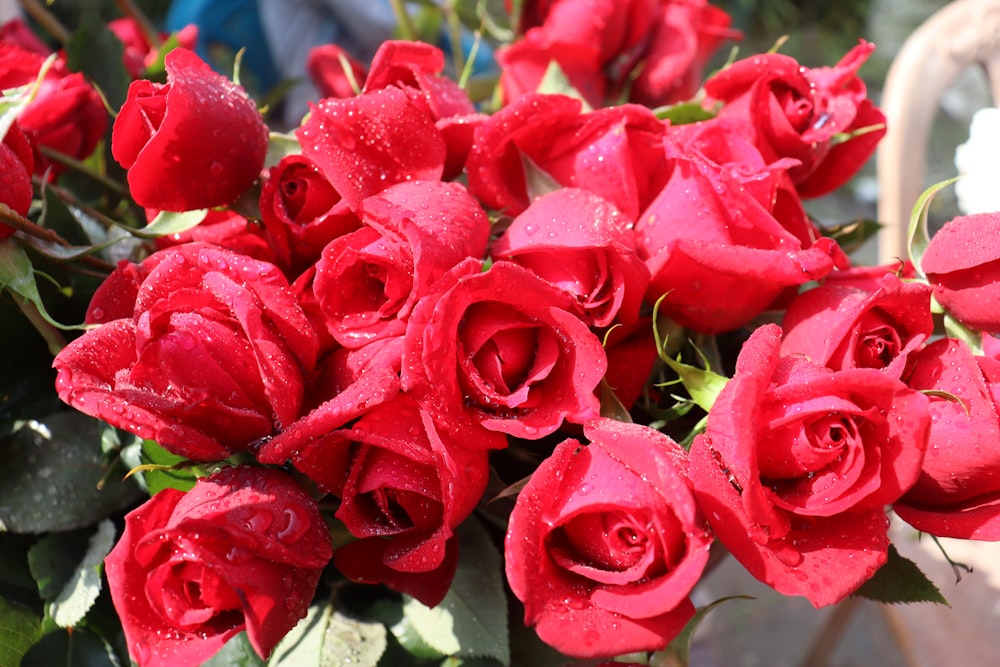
962, 264
242, 550
605, 543
958, 493
197, 141
16, 164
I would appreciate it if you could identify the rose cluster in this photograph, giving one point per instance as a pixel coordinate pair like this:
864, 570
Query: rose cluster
418, 286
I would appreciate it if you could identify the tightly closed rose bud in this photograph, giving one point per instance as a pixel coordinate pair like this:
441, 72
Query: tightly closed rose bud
242, 550
195, 142
962, 263
16, 164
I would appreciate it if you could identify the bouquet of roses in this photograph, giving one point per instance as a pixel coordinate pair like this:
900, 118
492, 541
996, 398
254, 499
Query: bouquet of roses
423, 351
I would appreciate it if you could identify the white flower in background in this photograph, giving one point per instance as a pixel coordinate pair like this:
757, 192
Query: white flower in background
978, 159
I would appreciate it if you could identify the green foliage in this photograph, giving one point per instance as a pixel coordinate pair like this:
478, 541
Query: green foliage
19, 629
56, 478
70, 648
900, 580
471, 621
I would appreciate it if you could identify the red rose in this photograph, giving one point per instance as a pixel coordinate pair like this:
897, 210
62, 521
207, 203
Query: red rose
580, 243
366, 143
200, 349
727, 235
368, 281
616, 152
66, 115
958, 493
242, 550
798, 462
656, 48
302, 212
416, 69
962, 264
502, 346
685, 39
16, 164
407, 485
195, 142
799, 113
606, 542
846, 327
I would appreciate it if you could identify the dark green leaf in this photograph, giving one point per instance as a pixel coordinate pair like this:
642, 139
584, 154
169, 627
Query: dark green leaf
471, 621
80, 592
70, 648
900, 580
237, 652
94, 50
54, 558
19, 629
55, 477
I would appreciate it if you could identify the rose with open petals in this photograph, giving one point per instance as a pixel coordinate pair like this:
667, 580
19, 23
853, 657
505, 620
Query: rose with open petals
962, 263
503, 347
368, 281
847, 327
797, 465
808, 114
580, 243
162, 133
958, 493
606, 542
302, 212
242, 550
199, 348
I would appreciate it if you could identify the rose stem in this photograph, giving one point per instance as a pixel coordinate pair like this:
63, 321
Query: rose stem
47, 20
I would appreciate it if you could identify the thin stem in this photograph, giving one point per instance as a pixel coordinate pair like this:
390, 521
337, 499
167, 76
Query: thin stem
10, 217
129, 8
47, 20
80, 167
53, 337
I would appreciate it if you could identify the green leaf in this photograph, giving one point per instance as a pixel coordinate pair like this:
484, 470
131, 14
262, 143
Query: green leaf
555, 82
973, 338
678, 652
237, 652
702, 384
17, 275
94, 50
900, 580
537, 181
70, 648
170, 222
684, 113
53, 559
352, 641
471, 621
174, 474
19, 630
917, 235
55, 477
81, 591
302, 645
